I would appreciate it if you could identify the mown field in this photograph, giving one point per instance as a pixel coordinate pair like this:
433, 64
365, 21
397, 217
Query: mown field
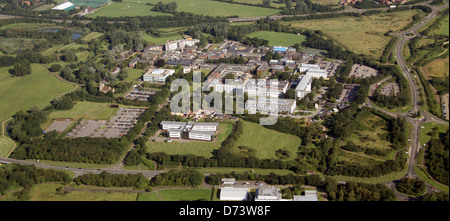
437, 68
176, 195
202, 7
21, 93
278, 38
427, 128
362, 35
265, 141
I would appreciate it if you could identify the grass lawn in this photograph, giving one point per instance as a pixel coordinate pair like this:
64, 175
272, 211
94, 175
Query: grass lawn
21, 93
126, 8
47, 192
427, 127
134, 74
203, 7
362, 35
265, 141
83, 109
200, 148
278, 38
161, 40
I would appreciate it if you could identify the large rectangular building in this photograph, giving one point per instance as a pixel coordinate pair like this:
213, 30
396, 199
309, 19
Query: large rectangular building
190, 130
304, 86
266, 88
157, 75
265, 105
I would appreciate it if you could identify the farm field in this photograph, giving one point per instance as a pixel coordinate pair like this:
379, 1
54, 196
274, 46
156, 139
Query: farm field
362, 35
200, 148
203, 7
266, 141
278, 38
21, 93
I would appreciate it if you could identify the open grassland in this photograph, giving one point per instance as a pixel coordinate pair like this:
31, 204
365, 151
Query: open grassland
21, 93
278, 38
437, 68
427, 128
81, 55
28, 26
134, 74
188, 194
369, 134
363, 35
12, 45
200, 148
83, 109
47, 192
161, 40
266, 142
443, 28
357, 158
202, 7
126, 8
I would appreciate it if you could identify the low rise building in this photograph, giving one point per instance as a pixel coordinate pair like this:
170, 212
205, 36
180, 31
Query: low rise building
265, 105
310, 195
235, 194
266, 88
157, 75
190, 130
304, 86
268, 194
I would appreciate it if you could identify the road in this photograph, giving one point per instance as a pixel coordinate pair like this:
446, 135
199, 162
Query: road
427, 117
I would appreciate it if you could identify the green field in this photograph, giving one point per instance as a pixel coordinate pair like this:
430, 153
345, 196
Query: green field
176, 195
368, 135
203, 7
427, 128
161, 40
47, 192
126, 8
27, 26
200, 148
437, 68
12, 45
443, 29
21, 93
361, 35
83, 109
279, 38
265, 141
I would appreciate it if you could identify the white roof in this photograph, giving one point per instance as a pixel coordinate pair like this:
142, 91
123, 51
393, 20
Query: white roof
310, 195
230, 193
306, 79
62, 6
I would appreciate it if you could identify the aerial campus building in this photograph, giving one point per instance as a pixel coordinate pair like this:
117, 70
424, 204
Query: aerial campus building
313, 70
157, 75
304, 86
68, 5
266, 105
190, 130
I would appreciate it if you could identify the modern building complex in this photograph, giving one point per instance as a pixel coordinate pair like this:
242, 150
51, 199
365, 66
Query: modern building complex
304, 86
266, 105
190, 130
266, 88
179, 44
313, 70
310, 195
157, 75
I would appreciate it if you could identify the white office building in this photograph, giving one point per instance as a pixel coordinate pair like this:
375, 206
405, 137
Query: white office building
304, 86
266, 88
265, 105
316, 73
157, 75
305, 67
268, 194
190, 130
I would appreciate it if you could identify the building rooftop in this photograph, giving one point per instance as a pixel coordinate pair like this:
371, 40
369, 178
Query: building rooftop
305, 80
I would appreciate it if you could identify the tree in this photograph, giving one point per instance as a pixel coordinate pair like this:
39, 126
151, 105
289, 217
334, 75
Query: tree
266, 3
22, 68
160, 63
55, 68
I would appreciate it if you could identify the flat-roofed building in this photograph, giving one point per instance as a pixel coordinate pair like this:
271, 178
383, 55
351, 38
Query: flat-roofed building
166, 125
304, 86
316, 73
205, 126
266, 88
310, 195
201, 135
235, 194
305, 67
268, 194
157, 75
265, 105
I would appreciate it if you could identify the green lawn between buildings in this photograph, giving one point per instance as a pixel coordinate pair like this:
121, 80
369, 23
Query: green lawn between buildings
279, 38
